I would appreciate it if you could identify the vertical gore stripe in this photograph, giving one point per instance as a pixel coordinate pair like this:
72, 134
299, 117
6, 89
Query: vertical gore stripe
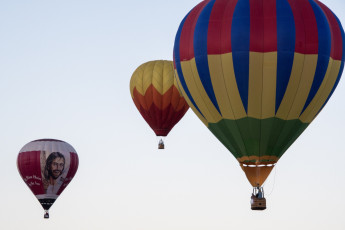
256, 47
269, 76
263, 26
310, 27
269, 84
195, 110
300, 39
178, 63
334, 87
323, 29
270, 25
337, 45
256, 26
220, 60
227, 26
303, 69
240, 36
214, 35
286, 46
200, 41
342, 62
186, 46
324, 50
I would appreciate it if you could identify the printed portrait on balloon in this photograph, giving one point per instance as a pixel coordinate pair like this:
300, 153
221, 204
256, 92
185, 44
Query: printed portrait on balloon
53, 171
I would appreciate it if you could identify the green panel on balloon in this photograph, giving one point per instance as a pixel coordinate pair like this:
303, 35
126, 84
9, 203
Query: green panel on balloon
256, 137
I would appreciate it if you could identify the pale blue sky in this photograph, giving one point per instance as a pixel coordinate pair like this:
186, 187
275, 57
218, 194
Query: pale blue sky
65, 68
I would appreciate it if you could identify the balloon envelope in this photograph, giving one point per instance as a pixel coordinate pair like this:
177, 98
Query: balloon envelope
156, 95
257, 72
47, 166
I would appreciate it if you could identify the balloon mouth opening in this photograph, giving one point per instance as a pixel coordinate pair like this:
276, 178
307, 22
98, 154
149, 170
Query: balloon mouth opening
258, 161
258, 165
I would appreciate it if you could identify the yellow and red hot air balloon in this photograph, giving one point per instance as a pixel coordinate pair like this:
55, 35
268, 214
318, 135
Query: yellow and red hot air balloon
156, 95
257, 73
47, 166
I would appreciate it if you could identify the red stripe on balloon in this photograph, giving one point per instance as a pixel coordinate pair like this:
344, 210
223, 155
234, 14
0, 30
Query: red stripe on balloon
256, 26
312, 43
29, 167
337, 40
270, 25
306, 27
219, 32
187, 33
263, 25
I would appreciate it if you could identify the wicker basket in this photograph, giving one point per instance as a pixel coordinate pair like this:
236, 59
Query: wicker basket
258, 203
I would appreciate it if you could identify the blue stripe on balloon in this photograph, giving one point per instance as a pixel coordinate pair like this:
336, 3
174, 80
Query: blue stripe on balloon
342, 63
286, 38
178, 64
240, 41
200, 51
334, 87
324, 51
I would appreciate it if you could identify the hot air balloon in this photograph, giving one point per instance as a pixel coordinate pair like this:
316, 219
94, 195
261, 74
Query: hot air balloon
156, 95
47, 166
257, 73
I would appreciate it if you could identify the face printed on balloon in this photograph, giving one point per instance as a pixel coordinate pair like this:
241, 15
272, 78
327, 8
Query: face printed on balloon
53, 169
57, 167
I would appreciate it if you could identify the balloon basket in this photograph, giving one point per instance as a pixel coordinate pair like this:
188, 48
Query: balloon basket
258, 200
46, 214
258, 203
161, 144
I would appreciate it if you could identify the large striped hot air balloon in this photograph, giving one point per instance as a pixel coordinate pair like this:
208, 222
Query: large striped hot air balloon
258, 72
47, 166
156, 95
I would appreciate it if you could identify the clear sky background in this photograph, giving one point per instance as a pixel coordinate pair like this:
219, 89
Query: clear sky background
65, 68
